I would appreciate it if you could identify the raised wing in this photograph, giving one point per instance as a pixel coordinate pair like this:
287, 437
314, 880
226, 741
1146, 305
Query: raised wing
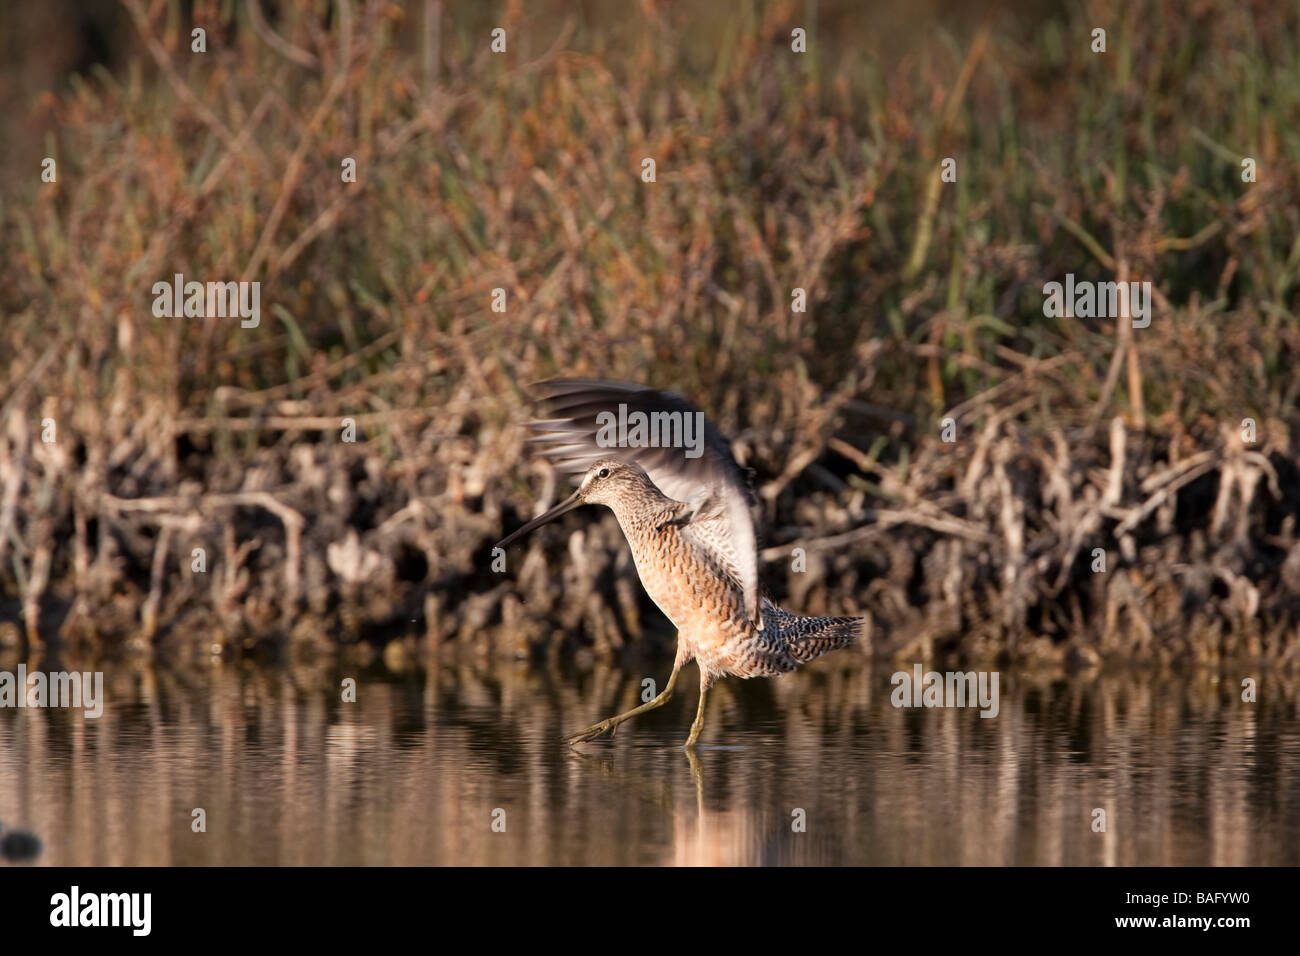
684, 456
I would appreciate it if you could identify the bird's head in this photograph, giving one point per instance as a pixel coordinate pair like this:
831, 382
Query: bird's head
608, 480
605, 483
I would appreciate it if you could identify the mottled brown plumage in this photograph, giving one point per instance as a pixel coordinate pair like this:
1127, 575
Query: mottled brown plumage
694, 551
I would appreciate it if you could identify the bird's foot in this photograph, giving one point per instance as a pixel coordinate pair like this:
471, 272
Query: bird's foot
607, 726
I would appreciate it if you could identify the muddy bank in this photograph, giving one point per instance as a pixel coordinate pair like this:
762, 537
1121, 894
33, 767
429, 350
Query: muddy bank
1108, 544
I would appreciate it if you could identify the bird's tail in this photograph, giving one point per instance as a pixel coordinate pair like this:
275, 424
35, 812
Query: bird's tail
808, 638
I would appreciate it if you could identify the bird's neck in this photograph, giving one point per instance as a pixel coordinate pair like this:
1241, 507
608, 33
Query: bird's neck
646, 512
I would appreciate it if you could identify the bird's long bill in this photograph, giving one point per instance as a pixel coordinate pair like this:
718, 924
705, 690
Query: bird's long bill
563, 508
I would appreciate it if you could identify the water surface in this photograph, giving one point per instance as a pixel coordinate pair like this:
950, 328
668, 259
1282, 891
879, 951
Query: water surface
419, 767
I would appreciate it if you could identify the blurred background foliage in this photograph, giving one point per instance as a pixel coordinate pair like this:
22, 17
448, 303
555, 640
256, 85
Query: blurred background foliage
521, 171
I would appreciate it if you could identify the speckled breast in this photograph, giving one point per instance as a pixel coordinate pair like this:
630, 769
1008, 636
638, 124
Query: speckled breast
706, 608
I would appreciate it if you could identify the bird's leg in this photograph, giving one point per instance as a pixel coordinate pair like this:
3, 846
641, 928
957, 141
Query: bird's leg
610, 724
705, 682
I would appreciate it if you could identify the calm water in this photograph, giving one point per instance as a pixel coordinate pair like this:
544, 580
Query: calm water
413, 771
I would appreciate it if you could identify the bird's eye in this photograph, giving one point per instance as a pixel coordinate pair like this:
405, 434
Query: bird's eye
603, 473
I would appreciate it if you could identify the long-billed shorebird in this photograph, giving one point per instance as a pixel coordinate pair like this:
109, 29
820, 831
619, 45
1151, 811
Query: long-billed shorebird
684, 506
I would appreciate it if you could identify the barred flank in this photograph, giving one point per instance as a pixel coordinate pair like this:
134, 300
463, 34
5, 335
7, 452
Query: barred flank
807, 638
